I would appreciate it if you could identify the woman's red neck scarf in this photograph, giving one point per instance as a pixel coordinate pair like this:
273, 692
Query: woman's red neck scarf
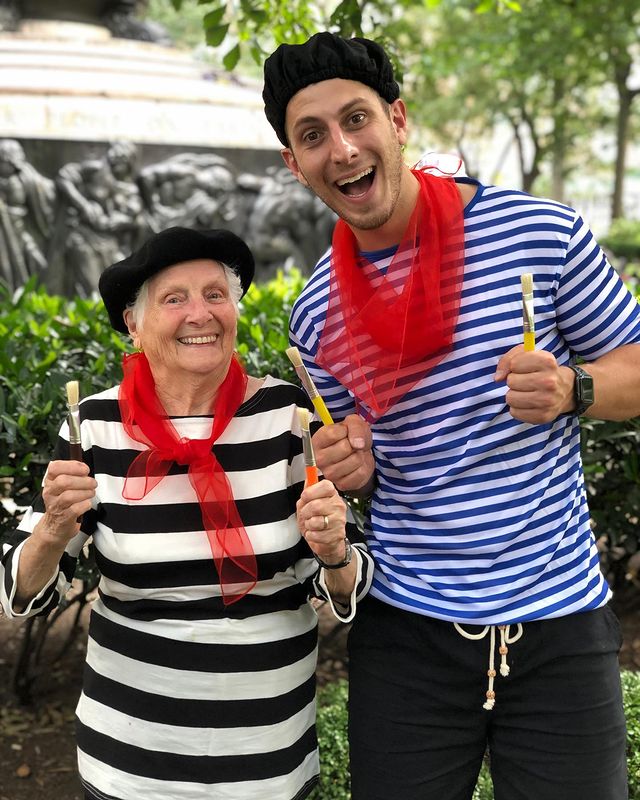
384, 332
146, 421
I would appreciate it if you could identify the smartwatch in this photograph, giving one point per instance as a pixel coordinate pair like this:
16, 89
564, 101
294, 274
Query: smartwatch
583, 392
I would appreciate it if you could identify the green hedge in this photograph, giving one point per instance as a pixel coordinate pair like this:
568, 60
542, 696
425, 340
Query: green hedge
334, 748
623, 239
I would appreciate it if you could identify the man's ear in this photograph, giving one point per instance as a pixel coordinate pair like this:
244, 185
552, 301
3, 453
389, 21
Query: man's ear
292, 165
398, 114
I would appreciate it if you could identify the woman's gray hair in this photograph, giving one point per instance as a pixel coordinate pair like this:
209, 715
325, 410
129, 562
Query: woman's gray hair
139, 305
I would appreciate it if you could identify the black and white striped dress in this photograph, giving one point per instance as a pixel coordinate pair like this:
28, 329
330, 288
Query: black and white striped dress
184, 698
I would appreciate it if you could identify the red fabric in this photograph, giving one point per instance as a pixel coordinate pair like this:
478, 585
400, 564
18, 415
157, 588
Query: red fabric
146, 421
384, 333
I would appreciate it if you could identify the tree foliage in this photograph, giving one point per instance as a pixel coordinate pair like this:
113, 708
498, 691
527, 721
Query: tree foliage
256, 26
555, 72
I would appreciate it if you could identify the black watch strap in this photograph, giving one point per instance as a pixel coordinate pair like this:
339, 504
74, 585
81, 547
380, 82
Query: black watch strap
583, 391
348, 553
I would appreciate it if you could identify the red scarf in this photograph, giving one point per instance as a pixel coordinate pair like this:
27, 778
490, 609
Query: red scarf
384, 333
146, 421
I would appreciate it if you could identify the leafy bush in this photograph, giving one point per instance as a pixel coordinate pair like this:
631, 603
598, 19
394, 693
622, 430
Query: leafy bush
631, 695
611, 460
623, 239
333, 743
263, 327
45, 342
334, 755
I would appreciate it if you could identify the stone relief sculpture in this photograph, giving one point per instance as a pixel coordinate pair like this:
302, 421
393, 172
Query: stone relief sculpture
196, 191
96, 211
26, 216
99, 219
121, 17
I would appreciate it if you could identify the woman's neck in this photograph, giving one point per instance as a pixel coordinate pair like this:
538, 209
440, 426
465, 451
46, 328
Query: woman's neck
195, 398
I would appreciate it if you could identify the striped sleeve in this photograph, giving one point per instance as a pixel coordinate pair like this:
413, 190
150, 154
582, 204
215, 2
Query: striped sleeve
60, 581
595, 311
364, 576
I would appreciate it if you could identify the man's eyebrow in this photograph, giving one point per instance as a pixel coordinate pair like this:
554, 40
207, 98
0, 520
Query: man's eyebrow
311, 120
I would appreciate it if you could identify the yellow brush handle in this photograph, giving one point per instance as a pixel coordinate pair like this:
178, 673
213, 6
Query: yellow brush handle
323, 411
529, 341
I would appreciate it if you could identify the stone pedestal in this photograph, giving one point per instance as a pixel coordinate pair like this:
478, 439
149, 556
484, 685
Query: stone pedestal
75, 82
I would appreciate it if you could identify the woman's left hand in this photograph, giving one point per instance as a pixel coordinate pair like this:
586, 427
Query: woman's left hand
322, 516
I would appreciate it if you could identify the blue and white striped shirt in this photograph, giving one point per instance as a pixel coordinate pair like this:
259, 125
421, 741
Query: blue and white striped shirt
478, 517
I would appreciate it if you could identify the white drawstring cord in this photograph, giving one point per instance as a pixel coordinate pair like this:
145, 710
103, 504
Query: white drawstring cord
505, 639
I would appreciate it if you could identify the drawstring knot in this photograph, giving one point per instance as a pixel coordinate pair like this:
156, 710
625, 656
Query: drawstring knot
505, 639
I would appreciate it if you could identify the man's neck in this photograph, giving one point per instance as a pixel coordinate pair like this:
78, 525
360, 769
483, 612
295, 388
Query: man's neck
391, 233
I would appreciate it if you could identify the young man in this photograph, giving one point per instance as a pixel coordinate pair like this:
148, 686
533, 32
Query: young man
487, 622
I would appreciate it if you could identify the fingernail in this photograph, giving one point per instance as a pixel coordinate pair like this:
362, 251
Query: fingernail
357, 443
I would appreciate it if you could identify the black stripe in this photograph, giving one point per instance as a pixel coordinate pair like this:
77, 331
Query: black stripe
196, 713
234, 456
194, 769
272, 507
217, 658
203, 572
251, 605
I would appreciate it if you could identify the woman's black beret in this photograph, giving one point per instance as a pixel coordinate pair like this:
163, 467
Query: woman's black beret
120, 282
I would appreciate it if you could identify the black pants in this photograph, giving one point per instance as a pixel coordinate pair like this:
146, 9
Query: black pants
418, 729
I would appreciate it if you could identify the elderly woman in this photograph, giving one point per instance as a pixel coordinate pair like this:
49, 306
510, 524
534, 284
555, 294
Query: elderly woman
199, 679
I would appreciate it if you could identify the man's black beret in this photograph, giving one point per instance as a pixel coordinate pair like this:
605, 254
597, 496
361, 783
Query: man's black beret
120, 282
324, 56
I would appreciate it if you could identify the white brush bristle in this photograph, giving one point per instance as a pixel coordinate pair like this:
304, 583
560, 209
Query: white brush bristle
73, 392
294, 356
526, 279
303, 416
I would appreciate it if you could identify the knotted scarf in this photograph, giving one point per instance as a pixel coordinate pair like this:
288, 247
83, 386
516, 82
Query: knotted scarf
384, 331
146, 421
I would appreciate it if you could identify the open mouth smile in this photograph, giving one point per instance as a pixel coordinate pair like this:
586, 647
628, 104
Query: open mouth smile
358, 184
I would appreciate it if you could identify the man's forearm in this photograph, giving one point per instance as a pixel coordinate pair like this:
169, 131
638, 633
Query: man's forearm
616, 378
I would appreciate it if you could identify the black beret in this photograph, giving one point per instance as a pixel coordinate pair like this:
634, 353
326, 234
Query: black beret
323, 57
120, 282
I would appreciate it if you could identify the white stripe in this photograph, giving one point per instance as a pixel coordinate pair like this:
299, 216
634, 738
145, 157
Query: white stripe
194, 685
116, 783
278, 626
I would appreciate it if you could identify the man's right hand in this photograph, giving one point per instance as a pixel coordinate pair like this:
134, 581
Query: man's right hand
344, 454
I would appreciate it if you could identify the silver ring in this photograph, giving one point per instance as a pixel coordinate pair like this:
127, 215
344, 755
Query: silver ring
326, 522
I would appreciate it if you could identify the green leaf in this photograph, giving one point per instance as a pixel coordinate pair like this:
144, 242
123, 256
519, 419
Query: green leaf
213, 18
231, 58
215, 36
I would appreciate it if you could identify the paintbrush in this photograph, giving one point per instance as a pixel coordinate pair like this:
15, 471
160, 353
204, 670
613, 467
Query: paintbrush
528, 322
73, 398
307, 448
73, 418
296, 359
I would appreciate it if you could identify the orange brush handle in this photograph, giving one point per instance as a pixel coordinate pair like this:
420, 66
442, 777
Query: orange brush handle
312, 475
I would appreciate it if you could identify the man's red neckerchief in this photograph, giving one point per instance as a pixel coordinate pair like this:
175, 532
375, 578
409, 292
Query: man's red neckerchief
384, 331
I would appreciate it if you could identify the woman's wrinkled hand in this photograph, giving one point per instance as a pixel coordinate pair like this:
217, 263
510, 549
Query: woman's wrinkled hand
322, 517
67, 492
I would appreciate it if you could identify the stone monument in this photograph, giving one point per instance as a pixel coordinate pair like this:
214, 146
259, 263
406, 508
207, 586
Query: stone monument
107, 133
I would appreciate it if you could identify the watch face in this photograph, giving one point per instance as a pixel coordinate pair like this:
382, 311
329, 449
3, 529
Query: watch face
585, 384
